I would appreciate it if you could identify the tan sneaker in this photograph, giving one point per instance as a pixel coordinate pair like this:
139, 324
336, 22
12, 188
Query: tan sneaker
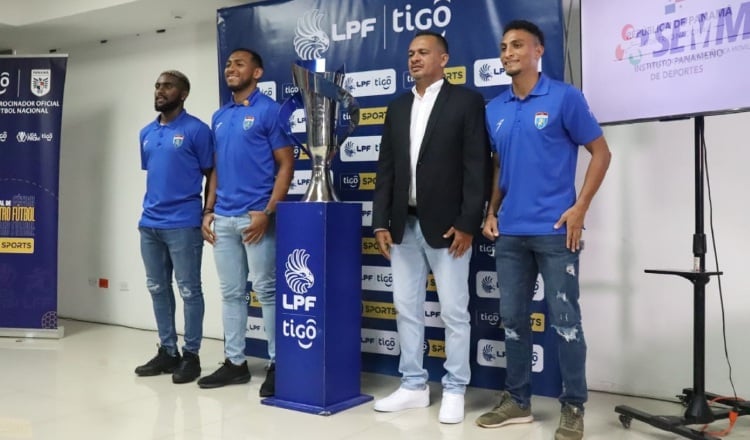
506, 412
571, 423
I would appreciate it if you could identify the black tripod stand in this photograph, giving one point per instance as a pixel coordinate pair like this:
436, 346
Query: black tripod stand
696, 398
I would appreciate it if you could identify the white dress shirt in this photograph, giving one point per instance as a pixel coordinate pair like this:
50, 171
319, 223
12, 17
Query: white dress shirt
420, 113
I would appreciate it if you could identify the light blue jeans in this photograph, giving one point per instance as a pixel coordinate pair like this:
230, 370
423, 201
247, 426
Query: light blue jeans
165, 251
410, 262
236, 260
519, 260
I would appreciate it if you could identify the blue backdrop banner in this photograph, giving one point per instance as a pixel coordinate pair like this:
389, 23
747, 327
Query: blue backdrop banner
31, 96
370, 38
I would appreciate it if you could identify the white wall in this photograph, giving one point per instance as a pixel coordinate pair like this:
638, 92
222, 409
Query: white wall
639, 326
108, 99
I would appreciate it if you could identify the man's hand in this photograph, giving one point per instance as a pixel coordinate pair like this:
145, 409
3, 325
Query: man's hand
489, 230
206, 229
257, 229
383, 237
573, 218
461, 242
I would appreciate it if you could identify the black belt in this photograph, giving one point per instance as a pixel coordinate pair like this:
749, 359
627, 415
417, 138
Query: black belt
412, 210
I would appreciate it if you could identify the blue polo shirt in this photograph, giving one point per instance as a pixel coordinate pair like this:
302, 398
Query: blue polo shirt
537, 139
174, 156
245, 138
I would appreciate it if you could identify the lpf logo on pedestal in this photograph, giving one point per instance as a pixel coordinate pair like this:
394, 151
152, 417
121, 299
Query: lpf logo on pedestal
300, 279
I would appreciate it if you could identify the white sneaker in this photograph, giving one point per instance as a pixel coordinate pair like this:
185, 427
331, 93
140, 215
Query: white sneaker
452, 408
402, 399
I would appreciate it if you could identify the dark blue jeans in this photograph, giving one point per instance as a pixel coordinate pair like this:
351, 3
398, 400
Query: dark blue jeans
180, 251
519, 259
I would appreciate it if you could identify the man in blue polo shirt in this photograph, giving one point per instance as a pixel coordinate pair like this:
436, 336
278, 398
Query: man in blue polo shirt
254, 167
176, 152
535, 219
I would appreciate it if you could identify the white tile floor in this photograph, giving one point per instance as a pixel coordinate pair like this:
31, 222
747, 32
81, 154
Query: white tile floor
83, 387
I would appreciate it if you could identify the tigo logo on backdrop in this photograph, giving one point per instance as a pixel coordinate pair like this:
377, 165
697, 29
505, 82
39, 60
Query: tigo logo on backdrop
304, 332
491, 353
539, 289
488, 318
300, 154
377, 278
487, 284
436, 348
255, 329
537, 359
380, 342
4, 82
300, 181
372, 115
432, 314
358, 181
378, 310
300, 280
41, 81
268, 88
371, 82
490, 72
360, 149
370, 246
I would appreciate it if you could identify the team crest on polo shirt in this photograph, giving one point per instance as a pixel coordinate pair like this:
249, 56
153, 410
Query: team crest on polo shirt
177, 140
248, 122
540, 120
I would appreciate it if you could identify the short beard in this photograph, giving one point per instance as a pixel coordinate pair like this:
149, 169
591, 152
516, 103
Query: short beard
167, 106
241, 86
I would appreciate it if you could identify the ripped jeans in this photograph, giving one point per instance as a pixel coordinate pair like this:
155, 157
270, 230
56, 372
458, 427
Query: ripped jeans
519, 259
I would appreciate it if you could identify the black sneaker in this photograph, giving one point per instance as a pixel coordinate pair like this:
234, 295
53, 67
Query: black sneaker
268, 388
163, 362
189, 368
227, 374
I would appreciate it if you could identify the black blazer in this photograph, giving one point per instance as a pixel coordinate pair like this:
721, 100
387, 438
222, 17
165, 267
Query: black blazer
453, 168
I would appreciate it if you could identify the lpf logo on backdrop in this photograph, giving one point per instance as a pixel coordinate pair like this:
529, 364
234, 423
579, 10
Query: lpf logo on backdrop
491, 353
300, 181
311, 41
41, 81
371, 82
360, 149
490, 72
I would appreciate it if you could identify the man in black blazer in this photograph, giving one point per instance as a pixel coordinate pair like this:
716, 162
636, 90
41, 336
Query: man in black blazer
429, 197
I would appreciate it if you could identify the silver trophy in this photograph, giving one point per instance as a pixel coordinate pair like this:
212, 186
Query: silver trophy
322, 98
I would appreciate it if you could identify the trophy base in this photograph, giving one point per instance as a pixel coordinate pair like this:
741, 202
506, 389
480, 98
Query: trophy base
320, 191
